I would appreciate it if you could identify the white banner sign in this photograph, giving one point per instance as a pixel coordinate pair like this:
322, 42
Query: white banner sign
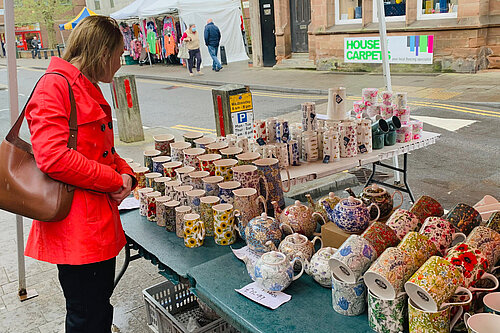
402, 49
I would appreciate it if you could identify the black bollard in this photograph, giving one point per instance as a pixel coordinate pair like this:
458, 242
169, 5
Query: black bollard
223, 58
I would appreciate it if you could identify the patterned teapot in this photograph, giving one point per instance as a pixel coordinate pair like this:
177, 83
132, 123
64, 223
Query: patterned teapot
297, 218
351, 215
273, 271
379, 196
297, 245
263, 234
318, 206
318, 267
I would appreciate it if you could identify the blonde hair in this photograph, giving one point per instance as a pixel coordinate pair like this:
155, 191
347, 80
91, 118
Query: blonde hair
91, 45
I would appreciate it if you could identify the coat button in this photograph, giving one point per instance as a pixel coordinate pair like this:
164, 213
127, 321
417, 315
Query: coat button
113, 150
103, 127
105, 154
110, 125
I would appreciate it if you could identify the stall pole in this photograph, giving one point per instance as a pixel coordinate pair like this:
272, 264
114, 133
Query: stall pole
385, 65
62, 36
23, 294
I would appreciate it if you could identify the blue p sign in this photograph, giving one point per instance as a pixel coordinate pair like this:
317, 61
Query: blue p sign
242, 117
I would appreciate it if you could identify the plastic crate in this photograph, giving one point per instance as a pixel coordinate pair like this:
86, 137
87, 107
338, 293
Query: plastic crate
169, 307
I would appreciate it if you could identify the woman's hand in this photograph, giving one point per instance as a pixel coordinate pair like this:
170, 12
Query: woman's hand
124, 191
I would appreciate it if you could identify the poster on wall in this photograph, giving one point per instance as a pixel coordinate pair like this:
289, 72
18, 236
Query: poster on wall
402, 49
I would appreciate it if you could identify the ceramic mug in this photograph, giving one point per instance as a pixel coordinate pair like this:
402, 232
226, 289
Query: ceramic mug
204, 142
151, 202
148, 158
158, 163
348, 299
441, 233
170, 167
387, 316
224, 224
242, 143
176, 150
140, 176
191, 136
180, 195
482, 322
249, 177
386, 276
269, 151
207, 162
492, 303
183, 172
380, 236
248, 158
426, 206
163, 142
352, 259
193, 198
194, 230
464, 218
402, 222
422, 321
494, 221
282, 155
150, 177
196, 179
159, 184
170, 215
246, 201
207, 215
419, 247
488, 241
210, 185
223, 168
191, 157
143, 201
226, 189
161, 213
231, 152
180, 211
435, 283
216, 147
169, 187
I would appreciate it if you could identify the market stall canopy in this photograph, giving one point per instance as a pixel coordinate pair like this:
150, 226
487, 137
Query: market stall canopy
132, 10
158, 7
72, 24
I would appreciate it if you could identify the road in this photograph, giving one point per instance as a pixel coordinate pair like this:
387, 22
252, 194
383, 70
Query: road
461, 167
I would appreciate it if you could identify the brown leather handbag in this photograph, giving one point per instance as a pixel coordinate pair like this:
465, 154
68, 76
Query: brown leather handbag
24, 189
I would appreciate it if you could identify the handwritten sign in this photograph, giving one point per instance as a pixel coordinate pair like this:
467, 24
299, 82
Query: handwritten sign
246, 252
269, 299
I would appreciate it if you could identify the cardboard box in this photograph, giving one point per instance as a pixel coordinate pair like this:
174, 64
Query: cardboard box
332, 235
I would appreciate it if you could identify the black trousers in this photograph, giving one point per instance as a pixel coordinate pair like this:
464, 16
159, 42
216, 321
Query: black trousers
87, 289
194, 55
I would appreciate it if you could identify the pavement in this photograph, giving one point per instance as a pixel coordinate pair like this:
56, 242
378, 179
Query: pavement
45, 313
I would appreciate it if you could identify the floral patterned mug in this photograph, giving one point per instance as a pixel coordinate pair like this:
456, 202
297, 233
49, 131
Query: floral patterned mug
441, 232
224, 224
387, 316
348, 299
464, 218
486, 240
402, 222
194, 230
422, 321
426, 206
380, 236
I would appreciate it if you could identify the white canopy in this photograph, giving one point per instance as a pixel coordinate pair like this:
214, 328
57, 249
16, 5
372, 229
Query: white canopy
132, 10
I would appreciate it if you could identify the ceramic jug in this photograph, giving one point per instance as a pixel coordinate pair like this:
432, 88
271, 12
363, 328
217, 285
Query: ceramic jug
297, 245
318, 267
263, 234
297, 218
351, 215
379, 196
246, 201
269, 168
318, 207
273, 271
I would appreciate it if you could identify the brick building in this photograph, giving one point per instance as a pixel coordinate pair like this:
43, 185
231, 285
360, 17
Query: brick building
466, 32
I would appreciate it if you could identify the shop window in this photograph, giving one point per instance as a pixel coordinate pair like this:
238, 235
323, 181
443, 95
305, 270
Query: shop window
348, 11
395, 10
434, 9
112, 3
97, 4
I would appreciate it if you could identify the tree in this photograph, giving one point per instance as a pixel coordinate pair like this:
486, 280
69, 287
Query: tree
45, 12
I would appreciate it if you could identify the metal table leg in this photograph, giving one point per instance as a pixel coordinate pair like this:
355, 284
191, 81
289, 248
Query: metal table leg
127, 261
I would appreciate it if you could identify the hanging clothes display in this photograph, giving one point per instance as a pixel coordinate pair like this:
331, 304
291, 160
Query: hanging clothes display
170, 44
127, 35
169, 27
136, 29
151, 37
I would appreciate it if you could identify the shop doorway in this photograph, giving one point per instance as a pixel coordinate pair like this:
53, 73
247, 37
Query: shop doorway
300, 17
267, 32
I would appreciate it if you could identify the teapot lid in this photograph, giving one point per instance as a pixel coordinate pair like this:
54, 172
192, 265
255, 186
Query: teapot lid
298, 203
351, 202
375, 190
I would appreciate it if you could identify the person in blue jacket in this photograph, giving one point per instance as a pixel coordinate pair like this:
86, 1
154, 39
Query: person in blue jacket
212, 40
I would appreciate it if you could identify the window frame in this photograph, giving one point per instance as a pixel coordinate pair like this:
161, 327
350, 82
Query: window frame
438, 16
112, 3
97, 3
400, 18
339, 21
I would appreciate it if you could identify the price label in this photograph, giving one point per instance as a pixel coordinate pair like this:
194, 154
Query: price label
269, 299
326, 159
246, 252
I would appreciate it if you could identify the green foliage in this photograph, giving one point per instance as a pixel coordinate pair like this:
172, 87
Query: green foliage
46, 12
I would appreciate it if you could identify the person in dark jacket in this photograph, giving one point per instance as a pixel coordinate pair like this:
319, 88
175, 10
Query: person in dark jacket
212, 40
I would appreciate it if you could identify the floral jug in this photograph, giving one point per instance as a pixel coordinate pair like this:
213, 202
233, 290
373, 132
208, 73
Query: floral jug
318, 267
263, 234
318, 207
297, 218
351, 215
297, 245
273, 271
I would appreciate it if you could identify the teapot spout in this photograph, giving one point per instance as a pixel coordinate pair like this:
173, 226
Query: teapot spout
310, 201
350, 191
277, 209
250, 267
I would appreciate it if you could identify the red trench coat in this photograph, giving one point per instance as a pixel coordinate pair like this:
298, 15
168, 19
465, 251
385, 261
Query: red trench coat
92, 231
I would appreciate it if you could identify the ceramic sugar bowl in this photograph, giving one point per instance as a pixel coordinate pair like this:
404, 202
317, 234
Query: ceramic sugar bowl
380, 197
351, 215
297, 218
318, 267
273, 271
263, 234
297, 245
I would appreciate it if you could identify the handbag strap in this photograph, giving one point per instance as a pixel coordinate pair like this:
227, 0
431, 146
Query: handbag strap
13, 135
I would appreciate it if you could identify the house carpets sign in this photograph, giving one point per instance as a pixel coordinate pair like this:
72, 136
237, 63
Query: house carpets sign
402, 49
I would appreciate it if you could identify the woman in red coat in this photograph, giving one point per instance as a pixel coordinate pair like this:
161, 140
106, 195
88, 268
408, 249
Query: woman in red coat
85, 244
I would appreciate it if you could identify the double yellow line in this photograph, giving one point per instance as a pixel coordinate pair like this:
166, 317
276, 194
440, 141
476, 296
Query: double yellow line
193, 129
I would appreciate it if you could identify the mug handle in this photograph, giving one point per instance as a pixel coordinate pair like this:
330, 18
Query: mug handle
320, 216
460, 240
201, 237
289, 181
487, 276
401, 196
378, 210
261, 199
320, 241
466, 317
494, 269
459, 289
266, 186
296, 276
457, 316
